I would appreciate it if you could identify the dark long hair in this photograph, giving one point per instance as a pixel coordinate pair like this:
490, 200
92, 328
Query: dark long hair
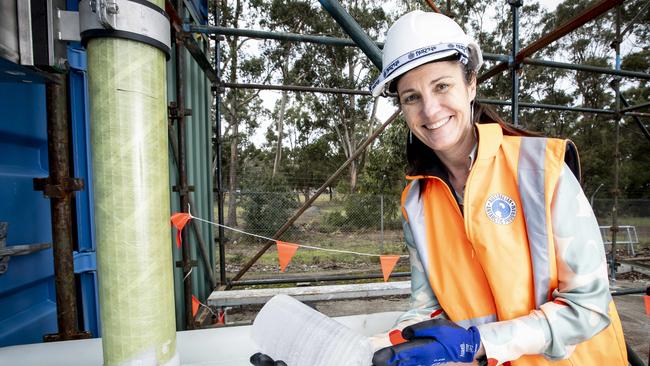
421, 158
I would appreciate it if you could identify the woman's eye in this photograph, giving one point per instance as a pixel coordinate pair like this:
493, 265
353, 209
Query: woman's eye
409, 99
442, 87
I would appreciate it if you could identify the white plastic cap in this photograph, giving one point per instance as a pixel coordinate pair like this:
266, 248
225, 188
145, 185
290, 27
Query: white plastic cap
417, 38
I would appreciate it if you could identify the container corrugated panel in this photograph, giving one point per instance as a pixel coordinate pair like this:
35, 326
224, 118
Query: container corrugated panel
27, 297
198, 97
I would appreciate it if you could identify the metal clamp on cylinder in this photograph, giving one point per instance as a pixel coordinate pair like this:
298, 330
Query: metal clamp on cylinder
137, 20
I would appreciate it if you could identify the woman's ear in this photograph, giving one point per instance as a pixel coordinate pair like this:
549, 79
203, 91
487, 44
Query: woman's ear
471, 89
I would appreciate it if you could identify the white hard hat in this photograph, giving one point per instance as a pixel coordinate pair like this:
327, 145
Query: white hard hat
417, 38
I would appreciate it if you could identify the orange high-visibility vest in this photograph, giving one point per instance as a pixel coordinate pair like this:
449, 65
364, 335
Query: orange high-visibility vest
483, 272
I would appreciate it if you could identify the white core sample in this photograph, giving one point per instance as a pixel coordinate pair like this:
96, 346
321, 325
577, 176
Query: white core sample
288, 330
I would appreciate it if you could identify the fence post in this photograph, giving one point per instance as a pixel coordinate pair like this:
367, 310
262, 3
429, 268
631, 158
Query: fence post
381, 243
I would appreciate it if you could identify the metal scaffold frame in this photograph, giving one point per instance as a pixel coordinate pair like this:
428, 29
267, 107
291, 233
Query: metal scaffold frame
60, 186
358, 38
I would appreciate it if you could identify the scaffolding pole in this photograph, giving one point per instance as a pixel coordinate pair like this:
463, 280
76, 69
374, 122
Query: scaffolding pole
309, 89
178, 113
354, 30
617, 153
209, 273
59, 187
261, 34
513, 64
548, 106
586, 68
636, 118
217, 169
295, 88
332, 41
635, 107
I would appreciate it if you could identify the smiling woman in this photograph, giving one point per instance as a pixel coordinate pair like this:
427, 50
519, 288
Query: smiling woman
436, 102
493, 219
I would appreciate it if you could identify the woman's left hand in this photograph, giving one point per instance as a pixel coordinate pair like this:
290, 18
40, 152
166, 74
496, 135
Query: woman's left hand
432, 342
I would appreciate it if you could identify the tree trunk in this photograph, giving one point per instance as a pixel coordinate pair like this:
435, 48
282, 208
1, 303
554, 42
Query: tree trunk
232, 174
354, 166
353, 176
232, 179
278, 151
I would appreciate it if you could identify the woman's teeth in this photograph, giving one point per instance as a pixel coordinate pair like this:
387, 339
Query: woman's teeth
438, 124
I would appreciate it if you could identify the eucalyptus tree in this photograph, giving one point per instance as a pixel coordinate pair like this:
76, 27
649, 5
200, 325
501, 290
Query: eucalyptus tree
290, 17
350, 118
241, 108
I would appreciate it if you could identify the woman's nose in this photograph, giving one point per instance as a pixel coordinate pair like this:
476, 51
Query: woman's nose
430, 105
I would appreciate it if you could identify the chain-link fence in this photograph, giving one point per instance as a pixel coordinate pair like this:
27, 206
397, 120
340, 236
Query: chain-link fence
351, 222
363, 223
263, 213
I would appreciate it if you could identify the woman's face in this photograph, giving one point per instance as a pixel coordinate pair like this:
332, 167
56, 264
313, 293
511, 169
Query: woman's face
435, 100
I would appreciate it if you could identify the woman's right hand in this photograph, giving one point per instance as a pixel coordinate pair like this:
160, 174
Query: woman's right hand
260, 359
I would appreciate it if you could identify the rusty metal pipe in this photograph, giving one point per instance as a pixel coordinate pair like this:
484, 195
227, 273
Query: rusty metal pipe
59, 187
209, 274
183, 188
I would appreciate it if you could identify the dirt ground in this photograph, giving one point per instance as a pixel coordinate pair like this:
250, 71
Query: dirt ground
636, 325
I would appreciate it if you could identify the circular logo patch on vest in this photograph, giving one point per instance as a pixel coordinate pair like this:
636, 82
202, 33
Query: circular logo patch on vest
501, 209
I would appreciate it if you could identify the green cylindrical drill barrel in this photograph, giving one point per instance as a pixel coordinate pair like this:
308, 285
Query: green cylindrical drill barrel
128, 114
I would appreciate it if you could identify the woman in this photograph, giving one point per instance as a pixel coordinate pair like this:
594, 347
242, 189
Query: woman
506, 257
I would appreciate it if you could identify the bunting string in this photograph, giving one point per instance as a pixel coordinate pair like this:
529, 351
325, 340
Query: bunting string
188, 274
286, 250
300, 245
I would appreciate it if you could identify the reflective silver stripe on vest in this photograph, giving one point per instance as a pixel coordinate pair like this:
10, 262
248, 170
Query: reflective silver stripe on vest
531, 175
415, 211
477, 321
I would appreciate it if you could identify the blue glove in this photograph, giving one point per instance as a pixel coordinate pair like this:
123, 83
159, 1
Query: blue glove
432, 342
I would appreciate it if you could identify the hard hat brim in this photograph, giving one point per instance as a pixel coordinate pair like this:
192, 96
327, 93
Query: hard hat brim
380, 84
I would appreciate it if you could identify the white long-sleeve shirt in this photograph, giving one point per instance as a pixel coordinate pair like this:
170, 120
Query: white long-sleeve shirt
579, 309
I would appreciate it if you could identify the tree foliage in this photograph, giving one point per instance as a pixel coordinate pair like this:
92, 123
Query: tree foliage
308, 135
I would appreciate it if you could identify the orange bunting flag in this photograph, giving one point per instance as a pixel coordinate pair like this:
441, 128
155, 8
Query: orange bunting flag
646, 299
285, 253
388, 262
195, 305
179, 220
221, 317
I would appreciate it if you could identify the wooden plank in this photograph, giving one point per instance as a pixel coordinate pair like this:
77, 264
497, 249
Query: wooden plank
310, 293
